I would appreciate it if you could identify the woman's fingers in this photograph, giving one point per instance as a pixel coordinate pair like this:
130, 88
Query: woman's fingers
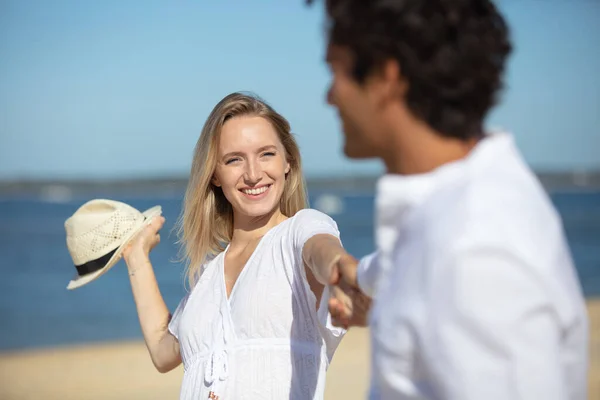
148, 238
340, 307
156, 224
155, 241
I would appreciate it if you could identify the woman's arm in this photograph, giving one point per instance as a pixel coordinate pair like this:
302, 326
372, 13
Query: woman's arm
320, 253
348, 303
152, 311
329, 263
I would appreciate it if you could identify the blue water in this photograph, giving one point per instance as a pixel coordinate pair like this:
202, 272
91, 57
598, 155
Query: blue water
36, 309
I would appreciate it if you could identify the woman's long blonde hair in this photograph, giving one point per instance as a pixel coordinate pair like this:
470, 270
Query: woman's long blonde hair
205, 226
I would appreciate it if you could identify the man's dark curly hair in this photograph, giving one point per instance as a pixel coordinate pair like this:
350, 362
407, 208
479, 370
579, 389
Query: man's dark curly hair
452, 53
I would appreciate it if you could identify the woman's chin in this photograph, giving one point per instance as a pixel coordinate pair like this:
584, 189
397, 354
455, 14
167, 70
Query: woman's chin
258, 210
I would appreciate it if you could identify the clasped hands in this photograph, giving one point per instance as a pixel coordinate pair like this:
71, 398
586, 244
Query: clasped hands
348, 305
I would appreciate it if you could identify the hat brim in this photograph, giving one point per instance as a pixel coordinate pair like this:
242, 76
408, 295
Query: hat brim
81, 280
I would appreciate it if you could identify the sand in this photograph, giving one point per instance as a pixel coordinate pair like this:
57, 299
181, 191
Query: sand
120, 371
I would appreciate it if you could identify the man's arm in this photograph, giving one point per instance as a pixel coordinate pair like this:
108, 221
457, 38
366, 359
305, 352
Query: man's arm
367, 273
492, 331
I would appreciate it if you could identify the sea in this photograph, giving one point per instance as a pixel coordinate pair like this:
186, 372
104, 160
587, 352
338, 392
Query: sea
36, 309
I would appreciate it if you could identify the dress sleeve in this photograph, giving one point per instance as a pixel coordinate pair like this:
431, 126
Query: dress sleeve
308, 223
332, 335
176, 317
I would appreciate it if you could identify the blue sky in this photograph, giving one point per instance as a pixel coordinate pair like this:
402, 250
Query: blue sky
112, 89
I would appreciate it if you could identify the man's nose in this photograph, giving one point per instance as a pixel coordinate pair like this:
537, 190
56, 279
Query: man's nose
329, 96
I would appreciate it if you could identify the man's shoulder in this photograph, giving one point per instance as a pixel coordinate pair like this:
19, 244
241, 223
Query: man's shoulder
495, 210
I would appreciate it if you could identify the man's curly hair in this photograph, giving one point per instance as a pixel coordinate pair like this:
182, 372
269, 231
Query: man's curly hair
452, 54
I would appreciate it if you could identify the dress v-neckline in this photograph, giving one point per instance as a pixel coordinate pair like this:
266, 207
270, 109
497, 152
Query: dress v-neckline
243, 271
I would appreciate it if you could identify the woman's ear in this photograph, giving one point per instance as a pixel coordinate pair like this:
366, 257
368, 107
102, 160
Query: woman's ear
215, 181
287, 168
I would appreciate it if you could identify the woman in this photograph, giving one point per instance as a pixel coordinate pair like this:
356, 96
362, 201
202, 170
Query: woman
255, 323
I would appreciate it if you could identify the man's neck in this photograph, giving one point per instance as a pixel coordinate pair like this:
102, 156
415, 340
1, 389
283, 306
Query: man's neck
418, 149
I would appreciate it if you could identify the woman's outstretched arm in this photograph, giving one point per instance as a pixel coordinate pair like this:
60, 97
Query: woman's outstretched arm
320, 254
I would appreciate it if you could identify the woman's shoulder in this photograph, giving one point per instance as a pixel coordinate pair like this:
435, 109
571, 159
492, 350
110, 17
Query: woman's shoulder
213, 257
301, 226
207, 264
308, 215
308, 218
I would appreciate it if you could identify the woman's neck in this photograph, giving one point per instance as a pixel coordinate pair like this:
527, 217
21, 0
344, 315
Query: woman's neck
249, 229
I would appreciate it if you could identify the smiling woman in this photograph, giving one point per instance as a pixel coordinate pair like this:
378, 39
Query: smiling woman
251, 167
255, 322
244, 145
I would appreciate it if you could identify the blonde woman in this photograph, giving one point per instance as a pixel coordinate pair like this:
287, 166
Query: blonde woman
254, 324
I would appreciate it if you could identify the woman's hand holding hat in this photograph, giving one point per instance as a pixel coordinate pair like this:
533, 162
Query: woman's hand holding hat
145, 241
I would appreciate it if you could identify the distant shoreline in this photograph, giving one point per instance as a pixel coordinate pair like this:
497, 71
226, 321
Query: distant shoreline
564, 181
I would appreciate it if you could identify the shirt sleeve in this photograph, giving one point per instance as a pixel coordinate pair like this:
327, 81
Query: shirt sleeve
492, 332
367, 273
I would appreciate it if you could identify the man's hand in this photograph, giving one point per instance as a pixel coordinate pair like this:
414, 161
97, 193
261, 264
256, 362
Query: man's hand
348, 305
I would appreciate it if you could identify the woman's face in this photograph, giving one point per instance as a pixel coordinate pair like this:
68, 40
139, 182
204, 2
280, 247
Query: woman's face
251, 166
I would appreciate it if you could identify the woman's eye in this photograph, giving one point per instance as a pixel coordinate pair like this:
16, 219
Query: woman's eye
269, 154
231, 160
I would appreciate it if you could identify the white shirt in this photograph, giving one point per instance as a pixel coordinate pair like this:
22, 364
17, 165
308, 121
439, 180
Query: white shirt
476, 294
267, 341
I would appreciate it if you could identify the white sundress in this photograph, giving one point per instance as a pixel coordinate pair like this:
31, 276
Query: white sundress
267, 341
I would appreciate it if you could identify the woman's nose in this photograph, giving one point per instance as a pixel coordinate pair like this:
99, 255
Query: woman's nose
253, 171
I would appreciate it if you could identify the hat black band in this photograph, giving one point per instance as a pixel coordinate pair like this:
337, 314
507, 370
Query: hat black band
94, 265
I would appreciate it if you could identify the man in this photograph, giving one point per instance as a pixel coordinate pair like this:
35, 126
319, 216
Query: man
475, 294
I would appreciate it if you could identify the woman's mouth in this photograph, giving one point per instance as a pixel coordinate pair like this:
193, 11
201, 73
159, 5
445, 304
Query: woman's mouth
257, 192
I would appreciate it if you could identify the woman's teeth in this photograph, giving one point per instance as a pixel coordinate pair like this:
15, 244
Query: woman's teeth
255, 191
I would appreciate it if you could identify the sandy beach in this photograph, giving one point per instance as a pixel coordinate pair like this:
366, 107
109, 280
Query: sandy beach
119, 371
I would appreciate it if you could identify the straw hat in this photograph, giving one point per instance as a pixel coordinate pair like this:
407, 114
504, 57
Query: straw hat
97, 234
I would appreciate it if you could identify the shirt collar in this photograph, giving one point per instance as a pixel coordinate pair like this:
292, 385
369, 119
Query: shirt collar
397, 194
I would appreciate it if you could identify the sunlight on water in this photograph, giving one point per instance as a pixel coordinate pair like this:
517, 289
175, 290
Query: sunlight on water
56, 194
330, 204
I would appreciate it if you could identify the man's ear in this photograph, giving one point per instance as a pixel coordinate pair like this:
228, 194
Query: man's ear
388, 83
396, 82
